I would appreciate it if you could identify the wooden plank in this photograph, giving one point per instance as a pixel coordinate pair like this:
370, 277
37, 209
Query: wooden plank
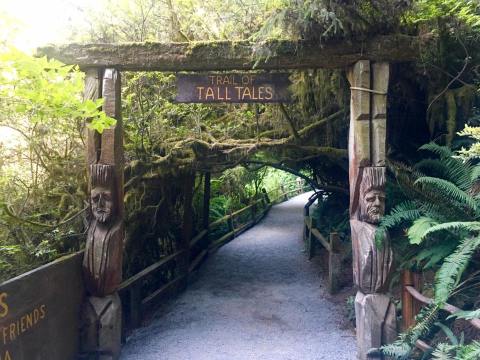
93, 91
229, 216
237, 55
198, 237
155, 296
194, 264
447, 307
321, 239
233, 88
223, 239
244, 227
422, 345
334, 263
39, 311
219, 221
148, 270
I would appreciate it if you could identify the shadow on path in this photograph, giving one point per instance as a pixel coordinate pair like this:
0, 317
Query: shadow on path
257, 298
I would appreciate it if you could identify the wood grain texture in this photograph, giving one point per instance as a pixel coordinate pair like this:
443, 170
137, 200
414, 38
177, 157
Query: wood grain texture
43, 308
236, 55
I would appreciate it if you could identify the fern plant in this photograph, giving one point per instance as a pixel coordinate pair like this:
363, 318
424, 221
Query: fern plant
442, 212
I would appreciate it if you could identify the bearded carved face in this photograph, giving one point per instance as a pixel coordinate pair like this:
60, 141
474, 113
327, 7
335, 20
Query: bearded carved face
102, 204
372, 206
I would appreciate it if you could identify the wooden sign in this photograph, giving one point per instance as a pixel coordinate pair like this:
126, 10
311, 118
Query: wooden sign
233, 88
39, 312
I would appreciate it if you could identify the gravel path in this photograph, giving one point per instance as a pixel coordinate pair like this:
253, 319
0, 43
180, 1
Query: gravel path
257, 298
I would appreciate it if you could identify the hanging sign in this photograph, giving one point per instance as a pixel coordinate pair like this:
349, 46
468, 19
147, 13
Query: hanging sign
233, 88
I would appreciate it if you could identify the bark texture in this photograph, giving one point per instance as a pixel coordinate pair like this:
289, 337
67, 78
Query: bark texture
236, 55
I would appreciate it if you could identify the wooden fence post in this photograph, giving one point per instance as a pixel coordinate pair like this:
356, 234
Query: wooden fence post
285, 195
310, 241
188, 187
135, 297
230, 223
334, 263
206, 200
410, 306
266, 199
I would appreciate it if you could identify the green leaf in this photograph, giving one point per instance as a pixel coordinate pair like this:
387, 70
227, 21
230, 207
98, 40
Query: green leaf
417, 232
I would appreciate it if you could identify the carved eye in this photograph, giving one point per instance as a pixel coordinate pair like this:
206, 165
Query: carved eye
95, 198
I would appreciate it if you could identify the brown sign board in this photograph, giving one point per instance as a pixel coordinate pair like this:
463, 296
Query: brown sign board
233, 88
39, 312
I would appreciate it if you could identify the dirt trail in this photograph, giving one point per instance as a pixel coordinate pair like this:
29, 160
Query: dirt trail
257, 298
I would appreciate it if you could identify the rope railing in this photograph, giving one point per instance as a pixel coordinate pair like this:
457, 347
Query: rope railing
131, 288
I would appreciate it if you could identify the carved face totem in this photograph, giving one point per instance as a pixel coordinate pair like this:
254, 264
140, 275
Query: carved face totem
372, 195
102, 204
102, 200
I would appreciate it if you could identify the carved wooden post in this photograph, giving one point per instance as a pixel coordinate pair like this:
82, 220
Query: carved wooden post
375, 313
102, 264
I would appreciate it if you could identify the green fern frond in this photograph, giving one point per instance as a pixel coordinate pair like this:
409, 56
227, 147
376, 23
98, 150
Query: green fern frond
432, 167
402, 348
470, 351
453, 267
443, 352
403, 212
448, 191
466, 314
458, 172
470, 226
417, 232
433, 255
440, 211
475, 173
448, 166
442, 151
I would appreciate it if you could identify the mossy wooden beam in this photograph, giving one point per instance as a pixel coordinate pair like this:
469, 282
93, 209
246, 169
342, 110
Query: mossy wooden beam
236, 55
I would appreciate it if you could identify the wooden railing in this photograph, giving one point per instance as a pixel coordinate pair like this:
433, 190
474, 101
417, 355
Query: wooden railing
413, 300
131, 289
312, 236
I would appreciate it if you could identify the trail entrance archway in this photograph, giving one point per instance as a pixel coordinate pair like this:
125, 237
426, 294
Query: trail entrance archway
367, 64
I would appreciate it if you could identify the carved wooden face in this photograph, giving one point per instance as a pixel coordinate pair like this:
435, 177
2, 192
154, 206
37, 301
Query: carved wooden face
102, 203
373, 206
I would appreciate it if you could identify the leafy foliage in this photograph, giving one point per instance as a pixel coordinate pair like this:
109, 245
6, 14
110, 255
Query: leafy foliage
41, 172
443, 239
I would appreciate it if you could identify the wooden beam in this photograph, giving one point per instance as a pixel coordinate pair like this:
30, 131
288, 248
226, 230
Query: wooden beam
447, 307
236, 55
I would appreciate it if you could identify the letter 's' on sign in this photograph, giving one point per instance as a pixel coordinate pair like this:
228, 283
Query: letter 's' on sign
233, 88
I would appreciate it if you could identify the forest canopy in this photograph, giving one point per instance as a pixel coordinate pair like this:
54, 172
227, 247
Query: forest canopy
433, 101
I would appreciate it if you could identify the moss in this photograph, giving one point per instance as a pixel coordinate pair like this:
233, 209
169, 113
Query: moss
451, 116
